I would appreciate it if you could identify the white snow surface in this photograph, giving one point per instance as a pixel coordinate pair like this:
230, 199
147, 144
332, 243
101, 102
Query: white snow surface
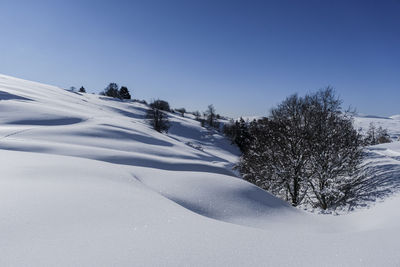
86, 182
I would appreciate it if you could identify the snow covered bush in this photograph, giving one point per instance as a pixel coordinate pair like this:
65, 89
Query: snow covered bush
306, 152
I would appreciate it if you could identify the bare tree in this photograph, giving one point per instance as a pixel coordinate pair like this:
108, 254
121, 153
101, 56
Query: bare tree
211, 116
278, 154
158, 119
336, 150
307, 151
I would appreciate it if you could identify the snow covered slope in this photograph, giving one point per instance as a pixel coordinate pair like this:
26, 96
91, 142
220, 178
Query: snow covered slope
392, 124
86, 182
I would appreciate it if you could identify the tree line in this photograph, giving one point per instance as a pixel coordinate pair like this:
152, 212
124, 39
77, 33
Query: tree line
112, 90
158, 109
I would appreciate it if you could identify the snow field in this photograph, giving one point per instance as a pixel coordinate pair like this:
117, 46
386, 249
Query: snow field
86, 182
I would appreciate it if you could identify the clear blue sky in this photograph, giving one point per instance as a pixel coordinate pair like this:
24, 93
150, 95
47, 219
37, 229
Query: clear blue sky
242, 56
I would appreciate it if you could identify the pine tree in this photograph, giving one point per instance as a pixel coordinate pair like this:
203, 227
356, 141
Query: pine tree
112, 90
238, 132
124, 93
242, 136
82, 89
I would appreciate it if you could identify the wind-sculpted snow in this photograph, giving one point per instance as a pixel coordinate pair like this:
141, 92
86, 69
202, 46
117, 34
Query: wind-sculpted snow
86, 182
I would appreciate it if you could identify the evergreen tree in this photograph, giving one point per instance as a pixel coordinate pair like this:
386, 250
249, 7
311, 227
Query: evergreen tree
242, 136
112, 90
82, 89
124, 93
238, 132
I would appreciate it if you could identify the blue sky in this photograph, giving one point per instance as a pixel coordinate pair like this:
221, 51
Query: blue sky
242, 56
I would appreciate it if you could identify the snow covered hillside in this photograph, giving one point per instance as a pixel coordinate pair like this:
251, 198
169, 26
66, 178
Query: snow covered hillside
86, 182
392, 124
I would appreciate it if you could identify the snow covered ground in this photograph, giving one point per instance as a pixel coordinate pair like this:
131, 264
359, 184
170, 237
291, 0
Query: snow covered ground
86, 182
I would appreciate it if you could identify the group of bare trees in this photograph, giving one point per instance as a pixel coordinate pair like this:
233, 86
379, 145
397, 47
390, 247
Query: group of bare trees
158, 115
306, 152
376, 136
